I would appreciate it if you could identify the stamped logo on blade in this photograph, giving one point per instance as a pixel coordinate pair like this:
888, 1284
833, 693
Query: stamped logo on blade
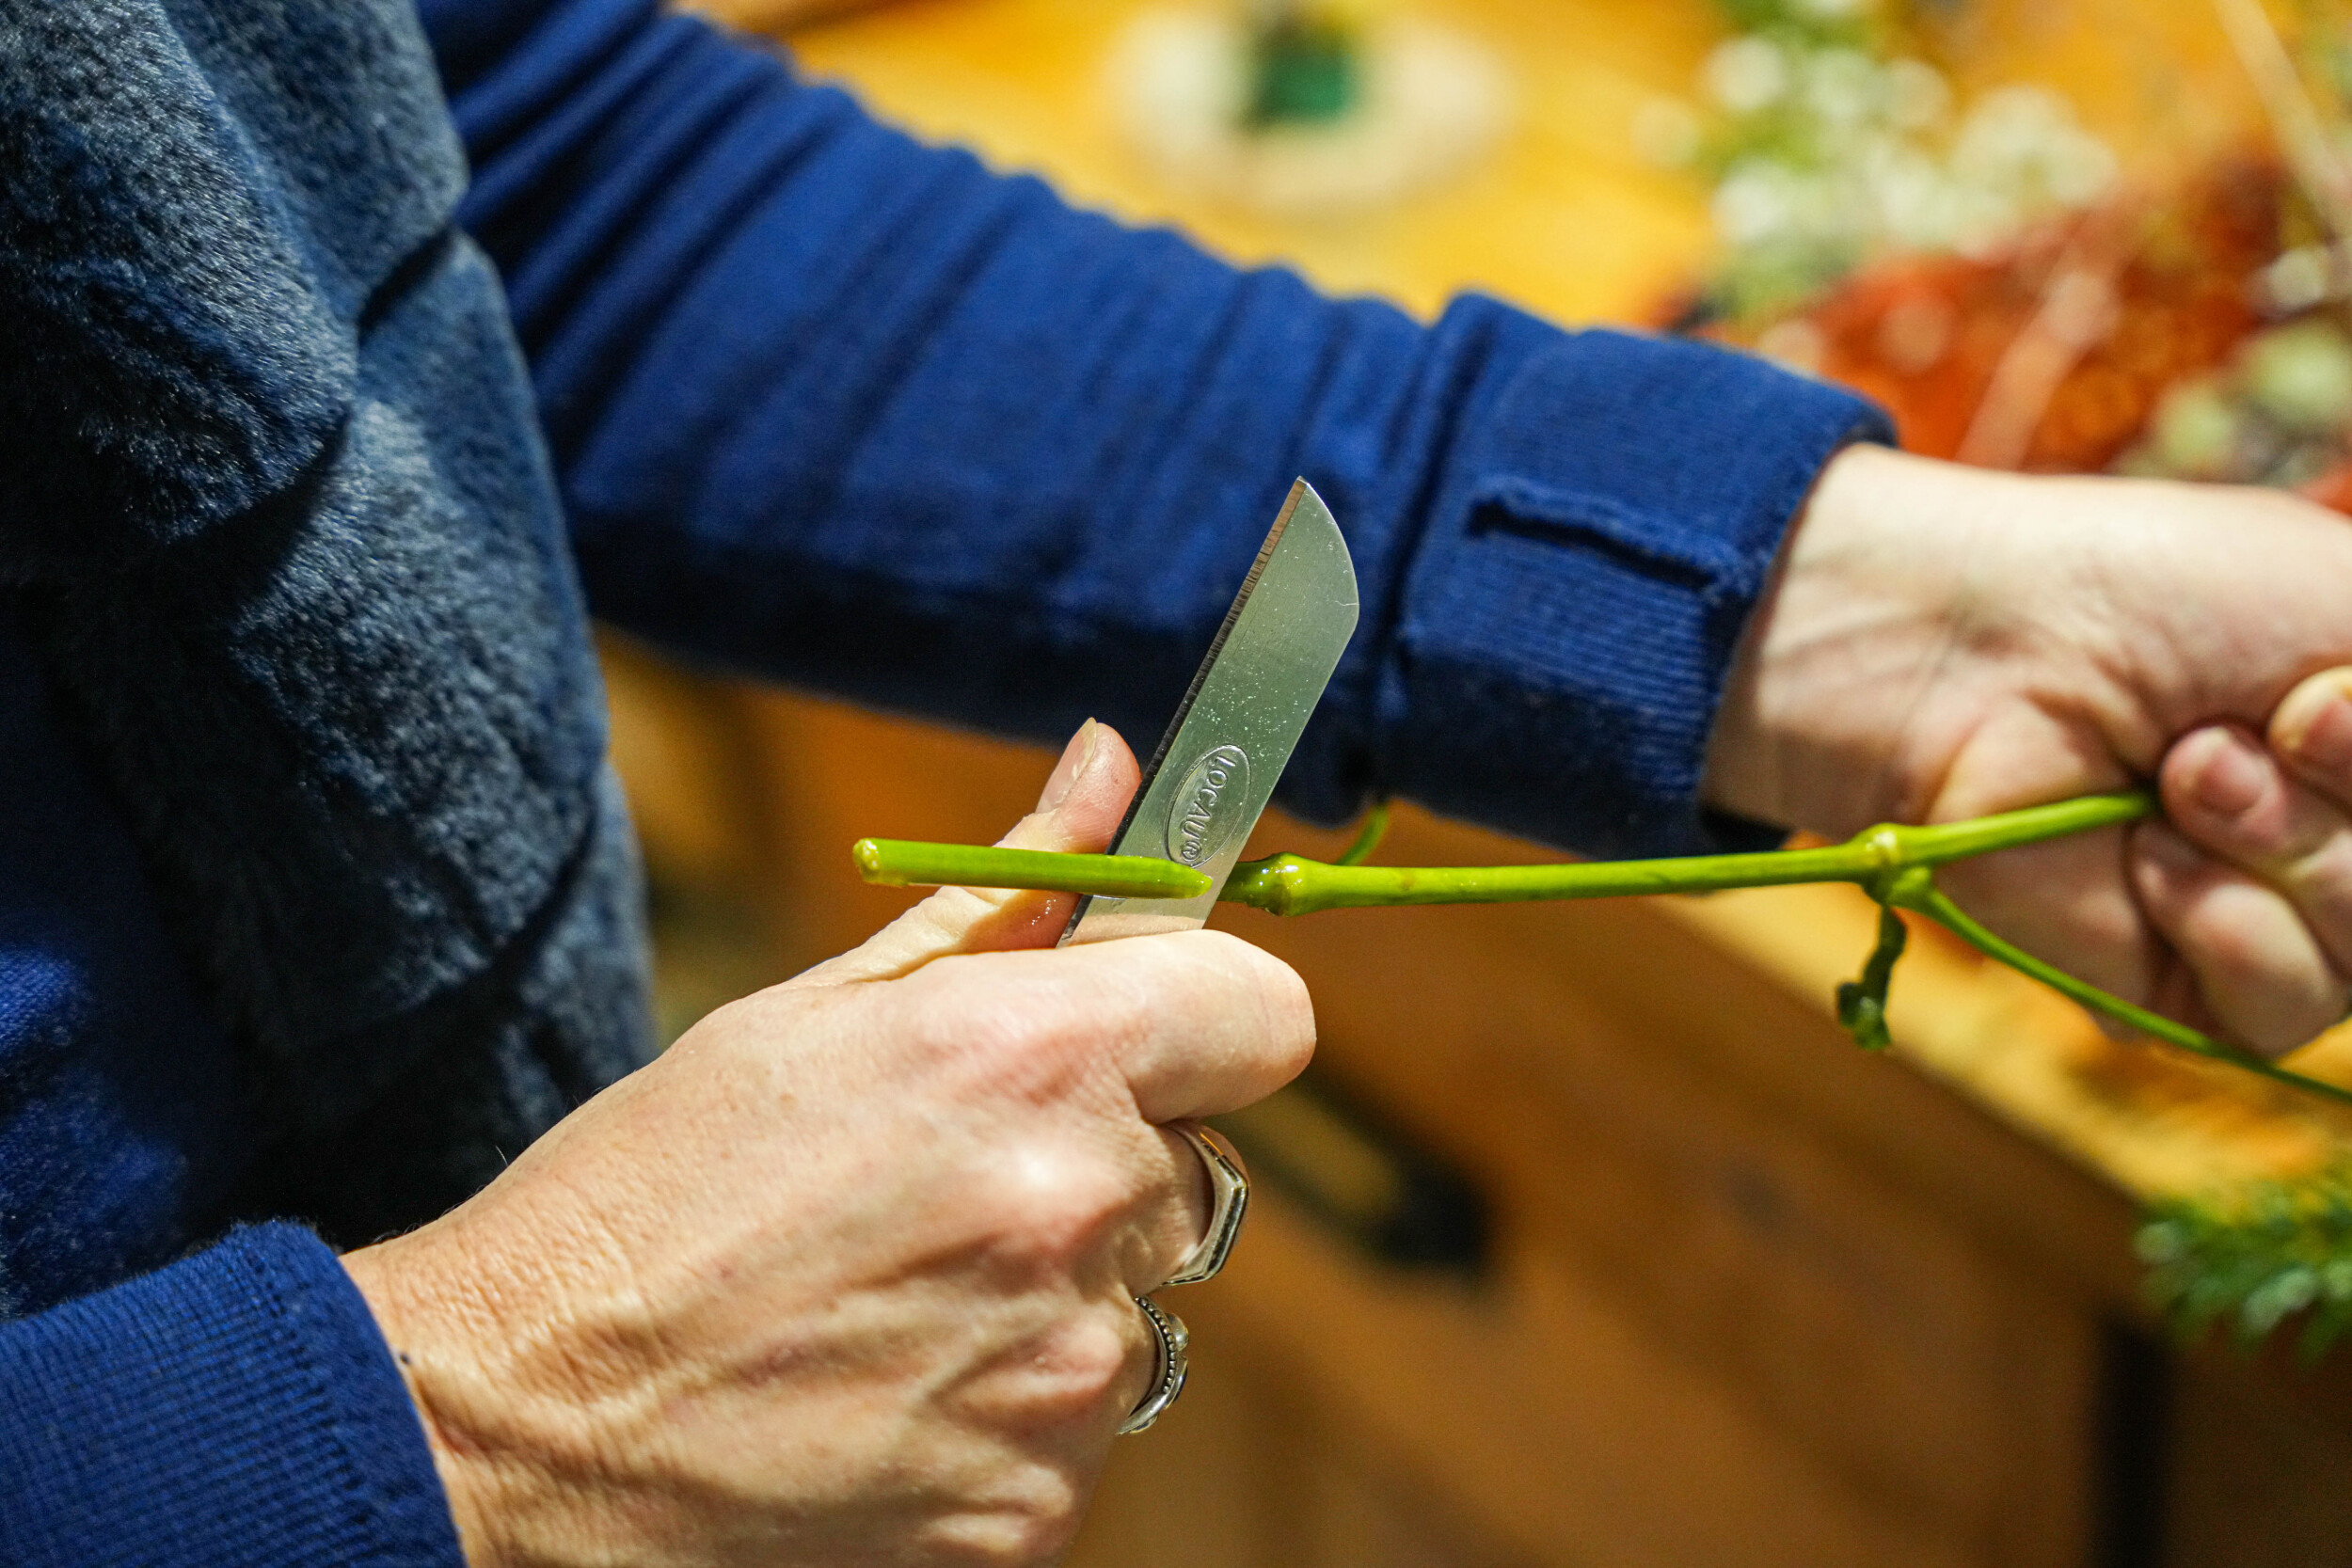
1209, 807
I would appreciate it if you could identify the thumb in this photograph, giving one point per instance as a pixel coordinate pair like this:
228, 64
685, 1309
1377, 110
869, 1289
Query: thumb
1079, 810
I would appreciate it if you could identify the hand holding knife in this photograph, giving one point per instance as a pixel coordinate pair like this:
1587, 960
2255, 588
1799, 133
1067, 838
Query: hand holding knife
1203, 792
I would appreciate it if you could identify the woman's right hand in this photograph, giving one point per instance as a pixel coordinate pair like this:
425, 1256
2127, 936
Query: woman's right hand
846, 1276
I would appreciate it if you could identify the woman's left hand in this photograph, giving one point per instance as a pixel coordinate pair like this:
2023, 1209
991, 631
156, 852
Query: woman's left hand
1944, 643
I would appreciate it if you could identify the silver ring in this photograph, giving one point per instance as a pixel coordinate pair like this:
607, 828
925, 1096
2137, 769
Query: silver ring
1229, 1201
1167, 1377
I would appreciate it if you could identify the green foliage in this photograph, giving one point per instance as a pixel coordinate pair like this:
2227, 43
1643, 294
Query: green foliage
2256, 1259
1828, 141
2280, 412
1848, 22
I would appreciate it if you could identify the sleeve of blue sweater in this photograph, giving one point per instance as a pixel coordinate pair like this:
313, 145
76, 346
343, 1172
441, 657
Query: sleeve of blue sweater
247, 1413
841, 408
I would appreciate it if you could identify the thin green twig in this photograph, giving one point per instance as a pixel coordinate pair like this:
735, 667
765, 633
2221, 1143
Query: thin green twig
1937, 906
1893, 862
1368, 837
1862, 1003
904, 863
1293, 884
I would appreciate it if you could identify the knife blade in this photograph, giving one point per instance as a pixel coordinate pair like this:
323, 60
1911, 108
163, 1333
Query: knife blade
1225, 749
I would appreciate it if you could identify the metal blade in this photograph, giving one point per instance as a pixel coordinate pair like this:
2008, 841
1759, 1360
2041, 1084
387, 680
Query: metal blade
1232, 734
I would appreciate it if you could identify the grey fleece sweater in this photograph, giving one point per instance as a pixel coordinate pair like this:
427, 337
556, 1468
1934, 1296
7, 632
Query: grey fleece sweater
276, 523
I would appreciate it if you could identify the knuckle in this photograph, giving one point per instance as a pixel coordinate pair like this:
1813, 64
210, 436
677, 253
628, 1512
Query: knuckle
1006, 1035
1273, 985
1029, 1510
1282, 1012
1083, 1369
1046, 1535
1294, 1029
1045, 1531
1043, 1208
1105, 1353
2274, 994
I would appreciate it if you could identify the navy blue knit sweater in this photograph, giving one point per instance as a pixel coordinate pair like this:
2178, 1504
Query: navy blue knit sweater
315, 902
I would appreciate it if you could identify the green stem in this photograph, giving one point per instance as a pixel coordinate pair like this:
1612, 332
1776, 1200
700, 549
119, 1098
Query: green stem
1862, 1003
1291, 884
1368, 837
1894, 864
1933, 902
902, 862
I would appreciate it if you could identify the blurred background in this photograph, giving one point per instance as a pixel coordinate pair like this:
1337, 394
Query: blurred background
1590, 1239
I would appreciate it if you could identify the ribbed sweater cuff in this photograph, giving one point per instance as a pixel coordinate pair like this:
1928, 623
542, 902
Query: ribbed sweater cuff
238, 1407
1606, 528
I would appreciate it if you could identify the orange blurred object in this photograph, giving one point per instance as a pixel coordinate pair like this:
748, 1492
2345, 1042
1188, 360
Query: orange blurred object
2052, 354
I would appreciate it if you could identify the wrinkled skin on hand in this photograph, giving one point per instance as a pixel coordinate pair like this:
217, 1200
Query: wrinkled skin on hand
844, 1278
1944, 643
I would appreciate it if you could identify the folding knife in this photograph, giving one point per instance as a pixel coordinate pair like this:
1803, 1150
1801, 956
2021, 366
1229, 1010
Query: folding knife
1216, 766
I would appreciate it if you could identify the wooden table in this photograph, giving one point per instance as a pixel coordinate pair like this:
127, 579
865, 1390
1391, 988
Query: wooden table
1745, 1295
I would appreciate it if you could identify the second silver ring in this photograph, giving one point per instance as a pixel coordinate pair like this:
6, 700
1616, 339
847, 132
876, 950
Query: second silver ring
1169, 1366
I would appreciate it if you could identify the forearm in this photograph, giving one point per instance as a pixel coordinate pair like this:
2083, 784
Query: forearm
855, 413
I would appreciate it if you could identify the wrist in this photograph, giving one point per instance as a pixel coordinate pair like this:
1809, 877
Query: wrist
494, 1426
1825, 711
405, 1316
525, 1372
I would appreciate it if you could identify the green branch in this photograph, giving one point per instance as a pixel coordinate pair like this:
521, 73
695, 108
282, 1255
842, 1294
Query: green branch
1293, 884
903, 863
1862, 1003
1937, 906
1894, 864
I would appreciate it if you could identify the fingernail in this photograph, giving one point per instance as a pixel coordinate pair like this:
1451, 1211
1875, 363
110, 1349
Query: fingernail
2314, 724
1076, 758
2232, 775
